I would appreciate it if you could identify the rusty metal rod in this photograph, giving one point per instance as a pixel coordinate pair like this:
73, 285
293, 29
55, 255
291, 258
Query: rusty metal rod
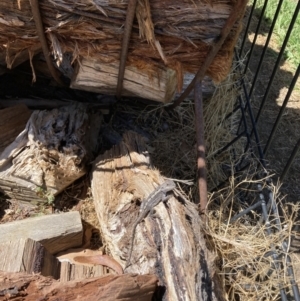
125, 44
235, 14
35, 9
85, 14
201, 166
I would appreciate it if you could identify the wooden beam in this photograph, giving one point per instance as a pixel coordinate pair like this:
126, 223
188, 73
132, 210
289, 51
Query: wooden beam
70, 272
29, 256
20, 286
57, 232
94, 76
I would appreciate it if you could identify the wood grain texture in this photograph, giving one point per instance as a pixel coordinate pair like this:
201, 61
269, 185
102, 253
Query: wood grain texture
169, 241
72, 269
97, 77
12, 122
20, 286
171, 33
29, 256
51, 152
70, 272
56, 232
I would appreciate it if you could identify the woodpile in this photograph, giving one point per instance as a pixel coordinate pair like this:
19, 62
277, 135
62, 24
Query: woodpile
168, 247
49, 154
169, 39
20, 286
152, 241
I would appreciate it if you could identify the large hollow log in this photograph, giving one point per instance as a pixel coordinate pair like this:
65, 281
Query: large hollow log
168, 242
51, 152
20, 286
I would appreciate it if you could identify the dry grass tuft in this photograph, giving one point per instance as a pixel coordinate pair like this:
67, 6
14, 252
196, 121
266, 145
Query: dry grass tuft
245, 248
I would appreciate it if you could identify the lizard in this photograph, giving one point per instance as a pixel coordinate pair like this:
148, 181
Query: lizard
160, 194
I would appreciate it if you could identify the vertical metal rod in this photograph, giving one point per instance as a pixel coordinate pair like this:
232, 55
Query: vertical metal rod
290, 271
247, 27
269, 232
290, 161
248, 144
234, 140
35, 9
232, 112
243, 106
233, 17
247, 210
265, 48
251, 115
256, 34
282, 109
288, 33
201, 166
125, 44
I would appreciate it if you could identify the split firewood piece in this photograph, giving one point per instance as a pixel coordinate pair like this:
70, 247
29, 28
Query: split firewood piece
20, 286
29, 256
12, 122
52, 152
57, 232
84, 267
168, 242
70, 272
94, 76
83, 263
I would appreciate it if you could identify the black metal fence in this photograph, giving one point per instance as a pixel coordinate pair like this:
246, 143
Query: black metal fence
271, 129
249, 92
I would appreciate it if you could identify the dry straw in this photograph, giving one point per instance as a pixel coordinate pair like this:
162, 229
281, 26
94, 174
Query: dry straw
169, 33
242, 248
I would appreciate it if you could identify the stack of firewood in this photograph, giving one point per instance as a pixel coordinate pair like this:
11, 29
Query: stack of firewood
46, 151
169, 39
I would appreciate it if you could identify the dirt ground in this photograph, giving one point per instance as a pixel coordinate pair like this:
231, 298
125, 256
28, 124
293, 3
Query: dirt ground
288, 131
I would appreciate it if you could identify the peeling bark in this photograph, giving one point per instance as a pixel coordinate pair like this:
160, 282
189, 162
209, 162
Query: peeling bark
169, 241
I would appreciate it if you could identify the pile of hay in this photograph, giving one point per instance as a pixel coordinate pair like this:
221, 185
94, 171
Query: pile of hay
245, 251
176, 34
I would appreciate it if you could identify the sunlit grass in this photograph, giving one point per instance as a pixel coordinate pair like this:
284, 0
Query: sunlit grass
292, 52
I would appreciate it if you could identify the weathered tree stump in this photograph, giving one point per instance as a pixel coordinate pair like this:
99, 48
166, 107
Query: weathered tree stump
169, 242
51, 153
